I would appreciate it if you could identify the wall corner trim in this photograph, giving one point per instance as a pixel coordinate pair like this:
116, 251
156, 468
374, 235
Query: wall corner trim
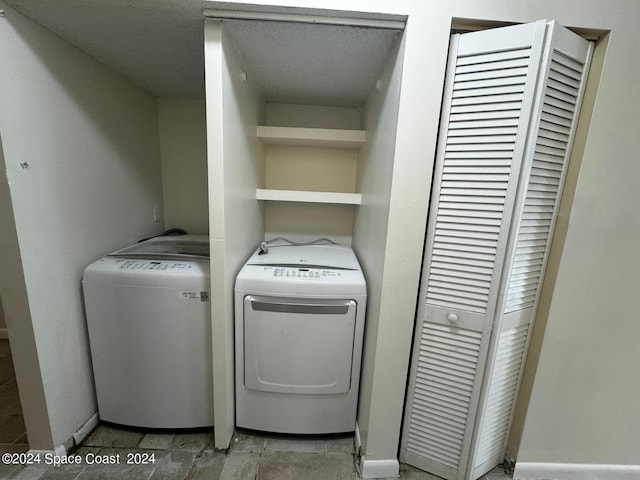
574, 471
379, 468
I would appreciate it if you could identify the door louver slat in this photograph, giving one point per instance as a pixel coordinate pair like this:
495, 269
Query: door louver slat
487, 132
484, 106
472, 74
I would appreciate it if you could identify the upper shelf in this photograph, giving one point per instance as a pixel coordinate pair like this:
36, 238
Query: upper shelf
314, 137
309, 197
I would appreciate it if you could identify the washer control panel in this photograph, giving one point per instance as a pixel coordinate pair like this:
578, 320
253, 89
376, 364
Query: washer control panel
151, 265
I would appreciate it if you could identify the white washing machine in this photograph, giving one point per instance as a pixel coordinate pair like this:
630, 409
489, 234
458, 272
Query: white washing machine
148, 317
299, 318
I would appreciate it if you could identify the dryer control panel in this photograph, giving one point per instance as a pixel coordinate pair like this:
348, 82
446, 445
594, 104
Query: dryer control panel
293, 271
304, 272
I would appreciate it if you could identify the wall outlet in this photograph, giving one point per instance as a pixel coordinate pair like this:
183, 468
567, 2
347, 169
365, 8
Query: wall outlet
156, 213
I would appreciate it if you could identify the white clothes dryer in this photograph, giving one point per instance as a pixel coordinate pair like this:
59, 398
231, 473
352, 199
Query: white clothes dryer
299, 323
149, 324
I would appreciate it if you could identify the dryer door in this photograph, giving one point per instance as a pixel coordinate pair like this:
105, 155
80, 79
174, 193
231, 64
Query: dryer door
298, 346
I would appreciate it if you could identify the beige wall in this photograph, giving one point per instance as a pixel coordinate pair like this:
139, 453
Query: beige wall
3, 324
578, 410
183, 150
310, 169
581, 406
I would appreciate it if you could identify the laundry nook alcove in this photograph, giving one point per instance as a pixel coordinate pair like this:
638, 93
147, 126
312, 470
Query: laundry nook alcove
301, 121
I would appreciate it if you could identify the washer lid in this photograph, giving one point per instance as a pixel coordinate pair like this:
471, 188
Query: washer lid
323, 256
169, 247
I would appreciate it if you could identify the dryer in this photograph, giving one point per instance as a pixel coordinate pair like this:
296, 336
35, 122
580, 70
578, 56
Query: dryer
149, 324
299, 323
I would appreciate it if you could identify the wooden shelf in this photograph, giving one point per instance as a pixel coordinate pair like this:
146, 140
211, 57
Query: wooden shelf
312, 137
308, 197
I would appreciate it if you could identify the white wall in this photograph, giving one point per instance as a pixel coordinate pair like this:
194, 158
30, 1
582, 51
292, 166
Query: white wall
90, 139
235, 159
183, 150
581, 406
369, 242
18, 317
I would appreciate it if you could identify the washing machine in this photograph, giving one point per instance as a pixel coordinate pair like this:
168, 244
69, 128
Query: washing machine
299, 322
148, 318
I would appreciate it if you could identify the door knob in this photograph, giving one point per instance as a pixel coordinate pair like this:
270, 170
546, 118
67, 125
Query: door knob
452, 317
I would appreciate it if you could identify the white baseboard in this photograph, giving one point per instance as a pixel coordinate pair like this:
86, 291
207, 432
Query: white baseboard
357, 441
374, 468
4, 333
574, 471
379, 468
75, 439
60, 451
85, 429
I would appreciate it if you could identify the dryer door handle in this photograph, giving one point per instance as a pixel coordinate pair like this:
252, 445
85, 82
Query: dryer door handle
333, 307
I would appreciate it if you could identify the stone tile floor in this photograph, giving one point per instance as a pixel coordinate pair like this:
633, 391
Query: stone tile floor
182, 455
189, 455
12, 431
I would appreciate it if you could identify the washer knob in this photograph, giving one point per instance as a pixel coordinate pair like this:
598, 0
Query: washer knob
452, 317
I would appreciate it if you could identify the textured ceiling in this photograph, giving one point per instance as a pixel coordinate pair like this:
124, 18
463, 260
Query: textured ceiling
158, 44
310, 63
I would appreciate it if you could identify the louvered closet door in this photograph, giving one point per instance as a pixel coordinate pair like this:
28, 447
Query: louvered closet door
488, 101
566, 58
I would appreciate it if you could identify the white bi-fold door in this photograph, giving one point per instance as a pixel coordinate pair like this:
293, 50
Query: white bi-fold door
509, 113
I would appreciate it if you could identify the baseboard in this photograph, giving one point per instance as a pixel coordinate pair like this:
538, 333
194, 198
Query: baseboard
45, 455
379, 468
574, 471
4, 333
373, 468
74, 440
357, 442
85, 429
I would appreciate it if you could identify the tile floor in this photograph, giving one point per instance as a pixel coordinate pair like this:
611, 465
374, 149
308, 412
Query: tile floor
189, 455
183, 455
12, 431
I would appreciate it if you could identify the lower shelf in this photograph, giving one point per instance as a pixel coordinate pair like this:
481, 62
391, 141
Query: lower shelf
309, 197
